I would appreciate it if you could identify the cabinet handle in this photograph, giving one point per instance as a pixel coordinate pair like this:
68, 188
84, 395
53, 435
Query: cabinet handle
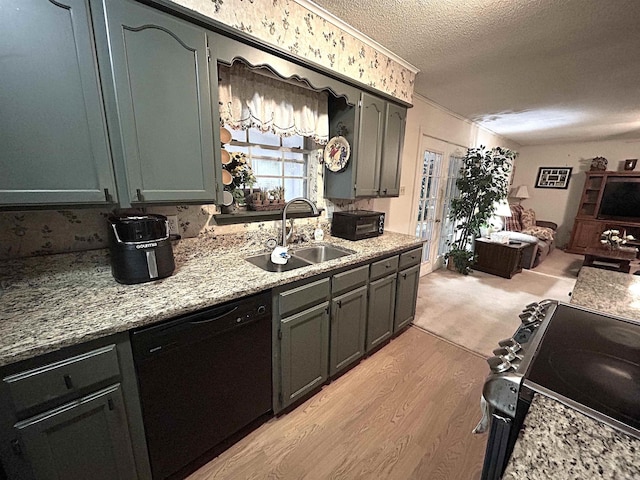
110, 404
107, 196
139, 195
404, 275
68, 382
327, 310
384, 191
339, 303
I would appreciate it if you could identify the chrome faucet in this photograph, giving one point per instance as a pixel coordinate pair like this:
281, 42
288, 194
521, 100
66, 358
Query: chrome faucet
284, 216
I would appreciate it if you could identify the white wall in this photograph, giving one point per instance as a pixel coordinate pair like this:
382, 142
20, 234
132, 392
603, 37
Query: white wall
427, 118
561, 206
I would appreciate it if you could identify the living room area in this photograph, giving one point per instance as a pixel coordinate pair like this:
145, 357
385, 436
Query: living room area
544, 226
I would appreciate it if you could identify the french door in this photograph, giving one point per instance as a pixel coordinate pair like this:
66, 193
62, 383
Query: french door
436, 177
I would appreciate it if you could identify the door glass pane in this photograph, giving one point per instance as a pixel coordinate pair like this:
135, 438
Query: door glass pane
427, 204
451, 191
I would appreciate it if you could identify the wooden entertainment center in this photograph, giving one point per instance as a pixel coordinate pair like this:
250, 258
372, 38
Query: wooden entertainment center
589, 224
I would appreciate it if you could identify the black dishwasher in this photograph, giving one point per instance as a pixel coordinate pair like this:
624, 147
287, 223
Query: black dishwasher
203, 377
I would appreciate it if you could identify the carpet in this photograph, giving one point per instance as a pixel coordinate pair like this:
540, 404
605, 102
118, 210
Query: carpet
477, 310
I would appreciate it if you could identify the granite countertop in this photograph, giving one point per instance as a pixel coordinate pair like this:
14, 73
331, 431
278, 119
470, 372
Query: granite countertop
557, 441
607, 291
51, 302
560, 443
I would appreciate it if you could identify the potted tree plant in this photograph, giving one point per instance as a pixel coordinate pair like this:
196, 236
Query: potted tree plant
483, 182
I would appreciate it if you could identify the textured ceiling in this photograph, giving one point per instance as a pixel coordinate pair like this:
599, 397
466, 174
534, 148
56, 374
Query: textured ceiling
536, 71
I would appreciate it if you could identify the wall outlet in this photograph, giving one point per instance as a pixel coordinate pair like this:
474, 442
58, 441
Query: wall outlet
174, 227
403, 190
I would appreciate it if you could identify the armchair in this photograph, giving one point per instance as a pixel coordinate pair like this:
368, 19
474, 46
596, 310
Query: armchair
524, 227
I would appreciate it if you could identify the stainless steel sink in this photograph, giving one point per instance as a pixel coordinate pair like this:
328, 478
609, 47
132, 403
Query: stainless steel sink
300, 258
264, 262
322, 253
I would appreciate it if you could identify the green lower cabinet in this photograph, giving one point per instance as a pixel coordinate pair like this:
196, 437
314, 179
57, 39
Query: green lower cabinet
382, 299
304, 351
348, 325
87, 438
406, 296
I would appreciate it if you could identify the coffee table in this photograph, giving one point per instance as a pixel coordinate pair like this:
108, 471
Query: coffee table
618, 260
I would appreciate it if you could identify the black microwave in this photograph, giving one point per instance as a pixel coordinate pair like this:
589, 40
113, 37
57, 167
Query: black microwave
357, 224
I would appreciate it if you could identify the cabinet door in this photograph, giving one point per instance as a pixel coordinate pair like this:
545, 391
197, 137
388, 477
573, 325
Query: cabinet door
392, 141
382, 298
87, 438
52, 127
348, 324
369, 146
304, 352
586, 234
406, 296
161, 79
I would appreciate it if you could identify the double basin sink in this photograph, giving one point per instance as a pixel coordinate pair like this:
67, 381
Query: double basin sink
302, 257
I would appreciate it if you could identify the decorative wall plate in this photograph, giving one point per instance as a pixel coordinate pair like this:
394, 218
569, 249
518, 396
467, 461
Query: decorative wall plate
337, 153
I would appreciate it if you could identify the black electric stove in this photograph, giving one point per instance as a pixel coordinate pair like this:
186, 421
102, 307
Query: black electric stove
585, 359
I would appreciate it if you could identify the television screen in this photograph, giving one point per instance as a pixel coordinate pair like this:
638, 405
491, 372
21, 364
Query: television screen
620, 199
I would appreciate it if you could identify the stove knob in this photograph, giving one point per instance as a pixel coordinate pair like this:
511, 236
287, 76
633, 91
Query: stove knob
498, 364
525, 316
533, 319
510, 344
506, 354
532, 305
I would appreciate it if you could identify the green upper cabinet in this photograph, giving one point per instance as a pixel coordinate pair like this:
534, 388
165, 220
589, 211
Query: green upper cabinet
53, 136
392, 142
370, 134
168, 142
375, 130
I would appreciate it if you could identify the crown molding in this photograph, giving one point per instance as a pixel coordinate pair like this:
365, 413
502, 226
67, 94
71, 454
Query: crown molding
341, 24
461, 118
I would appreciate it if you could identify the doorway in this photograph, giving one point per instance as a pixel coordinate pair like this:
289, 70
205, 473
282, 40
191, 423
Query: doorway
437, 172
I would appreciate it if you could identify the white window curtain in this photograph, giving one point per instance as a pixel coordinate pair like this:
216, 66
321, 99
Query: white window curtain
251, 99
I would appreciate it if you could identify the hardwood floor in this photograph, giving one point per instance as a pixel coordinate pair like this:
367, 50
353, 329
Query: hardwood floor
405, 413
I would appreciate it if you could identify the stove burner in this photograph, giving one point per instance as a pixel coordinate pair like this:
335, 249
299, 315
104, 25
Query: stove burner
603, 382
622, 335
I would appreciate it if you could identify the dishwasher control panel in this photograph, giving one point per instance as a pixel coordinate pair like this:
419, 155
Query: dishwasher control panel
164, 336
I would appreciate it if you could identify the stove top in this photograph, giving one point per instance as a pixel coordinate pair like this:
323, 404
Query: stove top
591, 362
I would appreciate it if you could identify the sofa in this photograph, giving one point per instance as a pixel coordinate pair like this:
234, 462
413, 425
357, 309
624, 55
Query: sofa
523, 227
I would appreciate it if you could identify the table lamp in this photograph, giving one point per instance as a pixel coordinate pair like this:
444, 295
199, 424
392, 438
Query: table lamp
501, 210
521, 193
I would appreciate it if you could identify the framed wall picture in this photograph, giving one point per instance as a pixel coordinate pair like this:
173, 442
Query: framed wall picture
553, 177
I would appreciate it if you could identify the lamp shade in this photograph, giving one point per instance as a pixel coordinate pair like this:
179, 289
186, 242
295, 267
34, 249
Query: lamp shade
502, 209
521, 192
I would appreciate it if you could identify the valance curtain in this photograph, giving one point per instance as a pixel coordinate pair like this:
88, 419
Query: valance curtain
250, 99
